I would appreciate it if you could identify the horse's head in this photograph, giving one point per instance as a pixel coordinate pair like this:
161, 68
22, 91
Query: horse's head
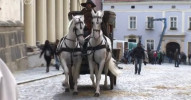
79, 27
97, 19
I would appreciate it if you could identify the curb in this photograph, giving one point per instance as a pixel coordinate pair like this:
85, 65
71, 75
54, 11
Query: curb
33, 80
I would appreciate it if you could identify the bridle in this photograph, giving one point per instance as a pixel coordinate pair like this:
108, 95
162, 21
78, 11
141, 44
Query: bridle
96, 30
75, 29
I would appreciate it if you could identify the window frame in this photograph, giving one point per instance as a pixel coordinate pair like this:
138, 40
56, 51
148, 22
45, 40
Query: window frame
150, 42
189, 23
134, 21
147, 22
173, 26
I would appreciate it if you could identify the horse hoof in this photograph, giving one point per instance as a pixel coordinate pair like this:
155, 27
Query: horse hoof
67, 90
75, 93
96, 95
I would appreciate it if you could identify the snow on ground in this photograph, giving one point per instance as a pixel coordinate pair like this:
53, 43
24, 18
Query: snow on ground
156, 82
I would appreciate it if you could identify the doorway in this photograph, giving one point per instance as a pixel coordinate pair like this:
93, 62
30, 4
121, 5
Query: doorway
171, 48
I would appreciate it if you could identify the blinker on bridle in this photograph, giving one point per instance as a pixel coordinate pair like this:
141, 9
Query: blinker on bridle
80, 22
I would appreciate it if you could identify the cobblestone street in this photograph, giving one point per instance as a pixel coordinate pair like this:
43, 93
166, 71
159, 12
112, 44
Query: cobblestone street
156, 82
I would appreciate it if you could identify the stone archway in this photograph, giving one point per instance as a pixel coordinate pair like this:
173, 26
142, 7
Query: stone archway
171, 48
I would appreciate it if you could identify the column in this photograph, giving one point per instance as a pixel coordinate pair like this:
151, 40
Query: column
41, 29
29, 22
73, 5
78, 5
51, 20
65, 16
59, 18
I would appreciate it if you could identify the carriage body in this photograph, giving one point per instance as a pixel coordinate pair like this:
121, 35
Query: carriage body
108, 25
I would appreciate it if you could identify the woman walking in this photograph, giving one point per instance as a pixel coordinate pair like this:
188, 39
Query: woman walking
48, 52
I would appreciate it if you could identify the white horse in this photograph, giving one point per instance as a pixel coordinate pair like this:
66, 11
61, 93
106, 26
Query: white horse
69, 50
100, 53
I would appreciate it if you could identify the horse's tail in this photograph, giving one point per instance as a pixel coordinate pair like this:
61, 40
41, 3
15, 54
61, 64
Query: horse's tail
112, 67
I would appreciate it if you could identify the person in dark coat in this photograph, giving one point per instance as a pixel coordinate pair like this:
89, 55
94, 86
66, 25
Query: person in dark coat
86, 11
177, 58
139, 55
189, 57
48, 52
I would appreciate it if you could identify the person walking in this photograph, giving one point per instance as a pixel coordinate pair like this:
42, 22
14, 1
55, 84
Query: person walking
155, 57
48, 52
189, 57
139, 55
57, 62
177, 58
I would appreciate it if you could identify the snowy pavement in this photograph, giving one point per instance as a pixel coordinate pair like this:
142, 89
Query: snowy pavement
33, 74
156, 82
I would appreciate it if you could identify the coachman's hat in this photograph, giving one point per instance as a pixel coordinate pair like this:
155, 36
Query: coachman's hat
88, 2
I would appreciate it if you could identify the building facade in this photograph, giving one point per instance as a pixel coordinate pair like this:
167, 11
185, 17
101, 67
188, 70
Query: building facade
133, 20
23, 23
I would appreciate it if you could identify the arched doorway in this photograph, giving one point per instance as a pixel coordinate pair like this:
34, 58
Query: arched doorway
171, 48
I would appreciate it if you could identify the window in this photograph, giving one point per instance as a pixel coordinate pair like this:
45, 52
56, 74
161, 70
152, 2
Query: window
189, 23
150, 7
132, 23
173, 23
150, 45
149, 23
132, 7
112, 7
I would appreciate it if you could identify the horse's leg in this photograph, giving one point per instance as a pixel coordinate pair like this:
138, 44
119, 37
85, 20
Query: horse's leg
76, 76
91, 67
98, 78
66, 72
106, 72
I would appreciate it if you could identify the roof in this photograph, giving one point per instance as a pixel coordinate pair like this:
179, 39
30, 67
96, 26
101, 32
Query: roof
142, 0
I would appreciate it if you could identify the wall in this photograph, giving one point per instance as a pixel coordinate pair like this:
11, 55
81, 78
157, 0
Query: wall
10, 10
13, 47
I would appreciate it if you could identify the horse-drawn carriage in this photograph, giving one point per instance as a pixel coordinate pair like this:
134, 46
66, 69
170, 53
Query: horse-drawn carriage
109, 24
99, 47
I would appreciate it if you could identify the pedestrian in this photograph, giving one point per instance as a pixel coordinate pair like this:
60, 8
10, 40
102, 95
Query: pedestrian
48, 54
8, 85
57, 62
177, 57
139, 55
126, 55
170, 56
146, 59
160, 57
155, 57
189, 57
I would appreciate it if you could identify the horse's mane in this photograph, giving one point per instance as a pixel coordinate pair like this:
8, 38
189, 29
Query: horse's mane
69, 25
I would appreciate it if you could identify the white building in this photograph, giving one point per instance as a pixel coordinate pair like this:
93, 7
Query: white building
132, 22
